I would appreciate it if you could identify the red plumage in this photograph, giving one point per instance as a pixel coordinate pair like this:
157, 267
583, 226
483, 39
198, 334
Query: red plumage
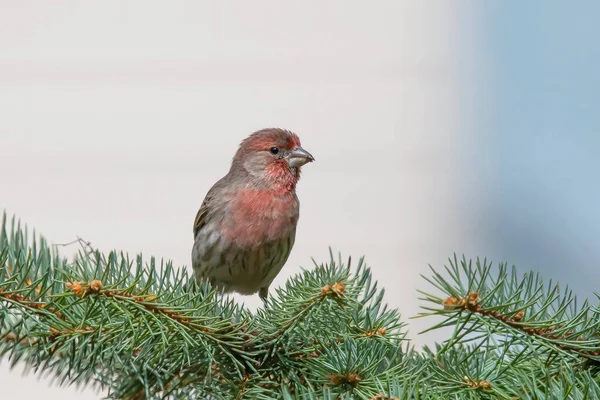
246, 226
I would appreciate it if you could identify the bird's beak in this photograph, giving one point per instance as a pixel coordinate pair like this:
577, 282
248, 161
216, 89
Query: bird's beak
298, 157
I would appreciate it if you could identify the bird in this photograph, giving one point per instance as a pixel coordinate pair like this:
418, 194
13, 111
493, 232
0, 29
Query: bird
245, 228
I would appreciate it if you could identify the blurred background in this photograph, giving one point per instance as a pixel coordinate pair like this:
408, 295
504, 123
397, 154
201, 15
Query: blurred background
438, 127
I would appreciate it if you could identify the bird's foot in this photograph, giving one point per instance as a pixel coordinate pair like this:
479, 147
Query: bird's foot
263, 293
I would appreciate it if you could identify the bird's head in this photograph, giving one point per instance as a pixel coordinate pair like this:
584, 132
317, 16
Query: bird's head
272, 157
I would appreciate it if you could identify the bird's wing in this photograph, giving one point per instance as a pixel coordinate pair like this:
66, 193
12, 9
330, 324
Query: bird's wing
211, 201
200, 220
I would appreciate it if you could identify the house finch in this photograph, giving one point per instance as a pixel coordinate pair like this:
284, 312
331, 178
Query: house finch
246, 226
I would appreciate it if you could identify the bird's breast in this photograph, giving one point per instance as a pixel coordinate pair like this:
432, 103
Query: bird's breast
256, 217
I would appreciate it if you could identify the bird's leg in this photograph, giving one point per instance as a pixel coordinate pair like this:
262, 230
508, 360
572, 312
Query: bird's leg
263, 293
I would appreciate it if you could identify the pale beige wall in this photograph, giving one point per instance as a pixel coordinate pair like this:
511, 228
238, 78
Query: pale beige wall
116, 118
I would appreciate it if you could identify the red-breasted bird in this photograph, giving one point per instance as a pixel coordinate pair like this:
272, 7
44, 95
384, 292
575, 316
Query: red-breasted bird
246, 226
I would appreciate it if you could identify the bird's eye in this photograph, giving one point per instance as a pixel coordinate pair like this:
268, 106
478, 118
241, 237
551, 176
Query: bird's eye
274, 150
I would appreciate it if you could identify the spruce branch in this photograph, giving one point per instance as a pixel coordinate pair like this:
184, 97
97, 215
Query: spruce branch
538, 314
144, 329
